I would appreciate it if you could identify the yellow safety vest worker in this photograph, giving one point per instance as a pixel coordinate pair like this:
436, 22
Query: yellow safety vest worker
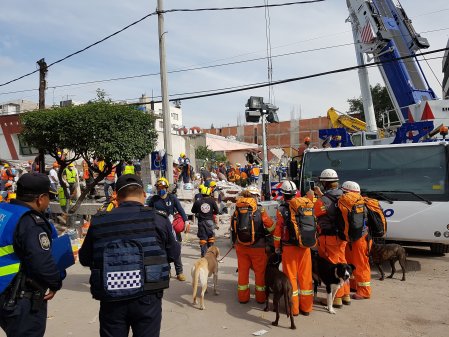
70, 175
129, 169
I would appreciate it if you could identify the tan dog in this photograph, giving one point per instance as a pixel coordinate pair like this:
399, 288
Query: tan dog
202, 269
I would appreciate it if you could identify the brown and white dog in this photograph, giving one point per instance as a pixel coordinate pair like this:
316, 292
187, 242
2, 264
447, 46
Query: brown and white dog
388, 252
202, 269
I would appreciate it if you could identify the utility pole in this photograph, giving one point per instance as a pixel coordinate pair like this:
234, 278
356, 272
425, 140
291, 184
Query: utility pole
164, 92
42, 86
265, 176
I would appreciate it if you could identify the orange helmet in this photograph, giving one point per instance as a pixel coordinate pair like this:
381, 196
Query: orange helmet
55, 164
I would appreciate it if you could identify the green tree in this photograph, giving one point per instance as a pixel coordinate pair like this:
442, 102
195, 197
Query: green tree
381, 102
98, 129
204, 153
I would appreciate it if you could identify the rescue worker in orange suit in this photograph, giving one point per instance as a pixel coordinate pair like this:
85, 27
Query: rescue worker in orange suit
6, 175
357, 253
330, 246
296, 261
253, 256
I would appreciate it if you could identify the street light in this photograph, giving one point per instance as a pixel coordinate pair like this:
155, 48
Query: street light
257, 109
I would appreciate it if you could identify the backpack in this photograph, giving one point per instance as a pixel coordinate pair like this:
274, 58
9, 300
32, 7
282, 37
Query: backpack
353, 216
243, 226
376, 222
302, 224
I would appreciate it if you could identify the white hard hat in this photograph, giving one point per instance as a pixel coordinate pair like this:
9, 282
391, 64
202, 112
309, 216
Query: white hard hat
202, 168
288, 187
329, 175
350, 186
253, 189
188, 186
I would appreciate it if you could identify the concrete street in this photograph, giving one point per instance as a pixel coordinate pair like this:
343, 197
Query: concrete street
416, 307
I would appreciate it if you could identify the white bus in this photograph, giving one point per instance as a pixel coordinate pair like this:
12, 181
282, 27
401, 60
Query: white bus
410, 180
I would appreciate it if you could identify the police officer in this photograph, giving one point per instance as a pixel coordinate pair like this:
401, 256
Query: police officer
205, 208
128, 251
29, 276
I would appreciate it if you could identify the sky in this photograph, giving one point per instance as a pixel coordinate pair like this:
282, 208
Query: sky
312, 33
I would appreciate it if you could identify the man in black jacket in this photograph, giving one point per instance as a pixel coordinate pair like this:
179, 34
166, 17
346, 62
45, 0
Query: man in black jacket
205, 209
128, 251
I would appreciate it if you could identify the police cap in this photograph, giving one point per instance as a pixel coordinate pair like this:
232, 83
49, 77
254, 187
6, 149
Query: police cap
33, 184
128, 180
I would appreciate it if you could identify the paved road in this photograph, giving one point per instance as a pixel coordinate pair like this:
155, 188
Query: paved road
417, 307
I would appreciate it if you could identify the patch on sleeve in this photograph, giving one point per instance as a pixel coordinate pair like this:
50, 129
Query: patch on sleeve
44, 241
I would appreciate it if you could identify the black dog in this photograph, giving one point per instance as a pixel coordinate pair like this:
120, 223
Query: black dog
388, 252
332, 275
279, 284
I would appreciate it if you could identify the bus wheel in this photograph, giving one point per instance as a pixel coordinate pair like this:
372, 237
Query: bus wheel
439, 248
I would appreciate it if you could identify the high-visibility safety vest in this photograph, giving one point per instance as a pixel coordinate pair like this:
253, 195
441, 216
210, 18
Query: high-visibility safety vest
255, 171
10, 216
5, 174
128, 261
70, 175
129, 169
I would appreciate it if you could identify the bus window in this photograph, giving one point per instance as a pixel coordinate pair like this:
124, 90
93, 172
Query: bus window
418, 169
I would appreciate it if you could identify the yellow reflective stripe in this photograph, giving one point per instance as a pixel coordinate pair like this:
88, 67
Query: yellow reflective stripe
364, 284
6, 250
271, 228
306, 292
243, 287
276, 238
295, 293
10, 269
260, 288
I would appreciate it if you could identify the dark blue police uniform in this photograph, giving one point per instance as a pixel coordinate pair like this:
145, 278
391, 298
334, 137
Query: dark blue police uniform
128, 251
23, 310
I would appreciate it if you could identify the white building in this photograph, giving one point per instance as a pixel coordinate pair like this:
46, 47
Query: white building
17, 106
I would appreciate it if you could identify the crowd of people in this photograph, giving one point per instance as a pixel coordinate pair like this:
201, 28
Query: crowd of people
129, 246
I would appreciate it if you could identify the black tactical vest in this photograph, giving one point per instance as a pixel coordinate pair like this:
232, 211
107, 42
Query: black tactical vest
129, 260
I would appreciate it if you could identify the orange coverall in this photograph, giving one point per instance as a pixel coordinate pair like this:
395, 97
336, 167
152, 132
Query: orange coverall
297, 265
332, 248
253, 256
357, 254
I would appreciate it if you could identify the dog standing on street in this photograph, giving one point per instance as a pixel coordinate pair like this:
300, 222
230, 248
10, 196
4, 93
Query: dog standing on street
279, 284
388, 252
202, 269
332, 275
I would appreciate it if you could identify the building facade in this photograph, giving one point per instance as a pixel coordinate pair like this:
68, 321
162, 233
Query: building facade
288, 135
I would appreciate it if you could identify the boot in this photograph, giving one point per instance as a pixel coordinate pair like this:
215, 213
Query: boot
181, 277
346, 300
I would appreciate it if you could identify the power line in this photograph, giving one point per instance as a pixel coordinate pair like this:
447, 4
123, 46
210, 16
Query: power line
370, 65
84, 49
300, 78
151, 14
241, 7
203, 67
182, 70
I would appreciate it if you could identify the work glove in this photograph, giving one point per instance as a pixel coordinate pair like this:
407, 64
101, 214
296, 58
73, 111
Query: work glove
187, 227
